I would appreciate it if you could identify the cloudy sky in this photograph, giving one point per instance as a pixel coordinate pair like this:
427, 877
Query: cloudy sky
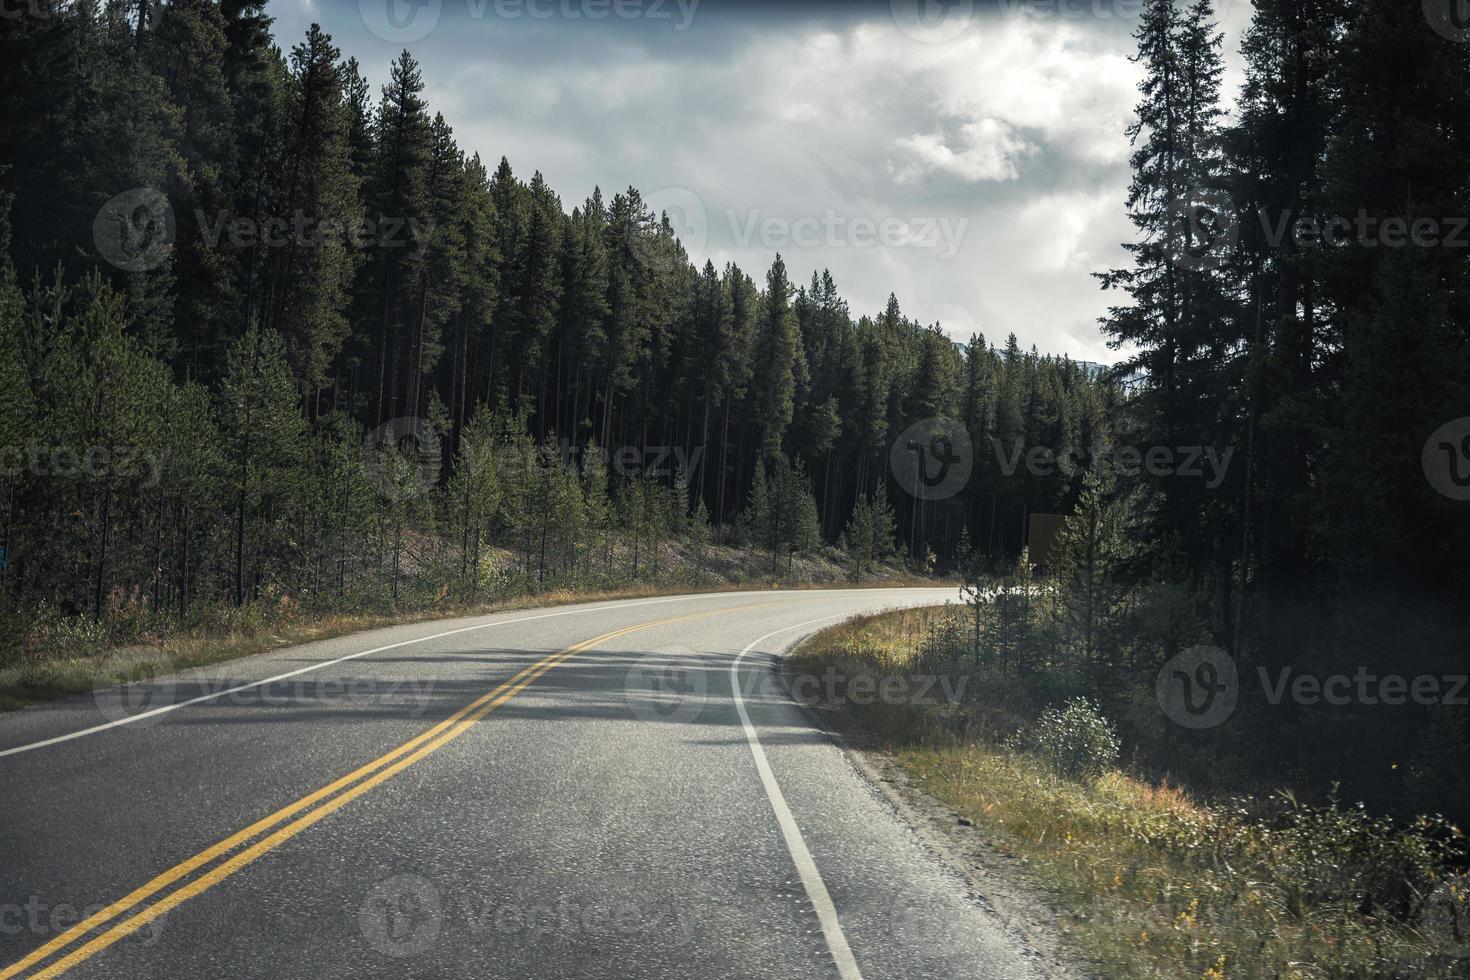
967, 155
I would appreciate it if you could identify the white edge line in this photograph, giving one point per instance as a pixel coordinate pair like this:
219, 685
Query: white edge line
811, 878
17, 750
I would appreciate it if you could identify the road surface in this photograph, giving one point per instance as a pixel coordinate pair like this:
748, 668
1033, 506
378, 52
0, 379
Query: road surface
620, 789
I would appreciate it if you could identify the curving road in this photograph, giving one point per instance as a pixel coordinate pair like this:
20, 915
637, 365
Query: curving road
619, 789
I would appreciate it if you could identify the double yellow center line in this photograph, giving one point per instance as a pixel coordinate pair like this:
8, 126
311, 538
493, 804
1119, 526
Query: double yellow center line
306, 811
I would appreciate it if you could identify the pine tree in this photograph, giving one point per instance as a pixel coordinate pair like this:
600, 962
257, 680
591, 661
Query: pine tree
539, 285
187, 49
264, 432
581, 341
398, 193
595, 499
442, 271
475, 490
626, 327
1090, 553
310, 272
699, 539
775, 351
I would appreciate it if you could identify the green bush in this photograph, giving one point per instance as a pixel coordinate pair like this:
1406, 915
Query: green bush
1076, 741
54, 636
1338, 856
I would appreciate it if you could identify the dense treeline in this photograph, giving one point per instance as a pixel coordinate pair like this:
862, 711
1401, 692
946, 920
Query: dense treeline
1298, 298
231, 268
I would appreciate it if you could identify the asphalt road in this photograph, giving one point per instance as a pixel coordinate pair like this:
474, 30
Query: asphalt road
616, 790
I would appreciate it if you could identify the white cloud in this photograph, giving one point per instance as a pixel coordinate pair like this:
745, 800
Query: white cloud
988, 150
1061, 231
1016, 126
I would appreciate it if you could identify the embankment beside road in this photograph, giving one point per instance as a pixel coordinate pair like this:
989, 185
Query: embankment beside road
1155, 882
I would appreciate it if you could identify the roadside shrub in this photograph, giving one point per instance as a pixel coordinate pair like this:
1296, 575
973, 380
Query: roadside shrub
1340, 856
1076, 741
54, 636
16, 623
945, 642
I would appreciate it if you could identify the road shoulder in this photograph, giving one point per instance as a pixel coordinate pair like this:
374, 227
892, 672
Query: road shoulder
995, 881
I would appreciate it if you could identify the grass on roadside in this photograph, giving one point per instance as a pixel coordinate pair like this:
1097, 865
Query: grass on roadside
77, 655
1156, 883
88, 662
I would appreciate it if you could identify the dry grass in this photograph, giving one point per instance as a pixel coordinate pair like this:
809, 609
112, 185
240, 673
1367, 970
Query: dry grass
1158, 884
